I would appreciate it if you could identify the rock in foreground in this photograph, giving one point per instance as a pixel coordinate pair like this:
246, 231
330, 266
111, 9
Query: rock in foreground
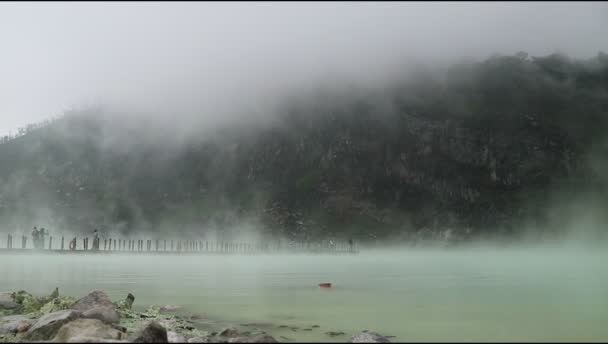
106, 314
369, 337
15, 323
7, 302
95, 299
48, 325
92, 328
153, 332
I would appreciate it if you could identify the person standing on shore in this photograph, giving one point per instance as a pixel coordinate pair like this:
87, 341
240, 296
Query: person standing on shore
95, 240
35, 236
41, 238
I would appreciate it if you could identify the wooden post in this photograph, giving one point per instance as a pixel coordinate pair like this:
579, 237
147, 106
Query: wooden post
206, 246
164, 244
50, 243
23, 241
171, 245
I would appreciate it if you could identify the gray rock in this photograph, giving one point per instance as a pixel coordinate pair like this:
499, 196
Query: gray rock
229, 332
153, 332
369, 337
127, 303
7, 302
199, 340
93, 300
175, 337
15, 323
48, 325
91, 328
261, 338
105, 314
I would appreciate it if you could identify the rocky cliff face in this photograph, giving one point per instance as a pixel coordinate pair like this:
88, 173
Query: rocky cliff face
409, 164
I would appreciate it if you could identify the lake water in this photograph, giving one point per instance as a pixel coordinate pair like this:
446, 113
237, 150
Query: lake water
412, 294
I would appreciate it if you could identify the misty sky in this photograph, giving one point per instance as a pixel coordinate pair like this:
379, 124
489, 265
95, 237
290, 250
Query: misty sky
203, 58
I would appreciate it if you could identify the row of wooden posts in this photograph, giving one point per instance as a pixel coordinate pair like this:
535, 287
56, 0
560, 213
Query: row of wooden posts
132, 245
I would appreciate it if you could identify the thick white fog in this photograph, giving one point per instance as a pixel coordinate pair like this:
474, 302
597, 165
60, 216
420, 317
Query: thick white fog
211, 60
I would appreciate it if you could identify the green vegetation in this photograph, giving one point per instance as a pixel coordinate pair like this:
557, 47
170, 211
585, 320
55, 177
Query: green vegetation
485, 146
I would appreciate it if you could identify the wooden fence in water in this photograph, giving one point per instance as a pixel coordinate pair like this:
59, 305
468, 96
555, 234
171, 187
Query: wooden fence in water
158, 246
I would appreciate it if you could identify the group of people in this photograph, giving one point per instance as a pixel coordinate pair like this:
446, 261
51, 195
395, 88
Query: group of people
38, 237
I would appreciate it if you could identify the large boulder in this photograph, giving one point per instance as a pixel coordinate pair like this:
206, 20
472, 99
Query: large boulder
261, 338
229, 332
15, 323
153, 332
93, 300
369, 337
7, 302
175, 337
91, 328
48, 325
105, 314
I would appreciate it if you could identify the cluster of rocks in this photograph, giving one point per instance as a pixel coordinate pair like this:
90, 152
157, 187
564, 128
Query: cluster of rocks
96, 319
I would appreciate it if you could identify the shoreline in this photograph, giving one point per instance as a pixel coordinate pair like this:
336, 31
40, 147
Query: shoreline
96, 318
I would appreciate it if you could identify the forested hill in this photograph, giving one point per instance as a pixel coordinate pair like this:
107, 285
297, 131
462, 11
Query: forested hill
485, 148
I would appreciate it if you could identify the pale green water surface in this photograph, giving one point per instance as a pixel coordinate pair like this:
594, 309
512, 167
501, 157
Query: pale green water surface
415, 295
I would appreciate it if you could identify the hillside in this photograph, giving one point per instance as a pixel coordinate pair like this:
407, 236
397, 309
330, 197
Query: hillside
486, 148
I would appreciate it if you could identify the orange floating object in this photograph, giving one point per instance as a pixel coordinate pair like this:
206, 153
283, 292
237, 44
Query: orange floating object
325, 285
